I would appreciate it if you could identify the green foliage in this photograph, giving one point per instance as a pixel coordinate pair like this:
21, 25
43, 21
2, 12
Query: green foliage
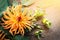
1, 14
15, 3
18, 37
38, 27
3, 5
39, 13
27, 2
46, 22
38, 34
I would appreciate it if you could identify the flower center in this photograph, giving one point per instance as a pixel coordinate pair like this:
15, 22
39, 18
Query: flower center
19, 19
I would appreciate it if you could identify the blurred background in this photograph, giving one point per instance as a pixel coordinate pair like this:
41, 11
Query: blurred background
52, 8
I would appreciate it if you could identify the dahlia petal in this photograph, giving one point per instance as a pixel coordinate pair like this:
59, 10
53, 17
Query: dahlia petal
24, 12
2, 35
28, 27
7, 27
5, 16
11, 32
3, 19
21, 30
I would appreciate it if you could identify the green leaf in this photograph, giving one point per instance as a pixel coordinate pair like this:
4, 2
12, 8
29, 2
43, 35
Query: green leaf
9, 3
27, 2
1, 14
46, 22
38, 34
14, 3
3, 5
18, 37
25, 38
6, 31
39, 13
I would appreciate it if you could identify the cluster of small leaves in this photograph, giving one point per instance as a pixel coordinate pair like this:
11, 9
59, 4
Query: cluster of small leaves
39, 13
38, 34
46, 23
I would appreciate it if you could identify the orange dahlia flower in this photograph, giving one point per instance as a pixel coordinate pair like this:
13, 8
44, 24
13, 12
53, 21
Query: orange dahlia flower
16, 20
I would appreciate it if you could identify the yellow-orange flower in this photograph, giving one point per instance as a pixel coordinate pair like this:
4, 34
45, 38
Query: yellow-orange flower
16, 20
